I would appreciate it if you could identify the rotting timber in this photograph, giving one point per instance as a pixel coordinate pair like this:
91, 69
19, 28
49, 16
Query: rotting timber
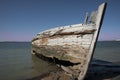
72, 44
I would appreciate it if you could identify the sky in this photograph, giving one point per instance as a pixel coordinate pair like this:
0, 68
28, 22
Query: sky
21, 20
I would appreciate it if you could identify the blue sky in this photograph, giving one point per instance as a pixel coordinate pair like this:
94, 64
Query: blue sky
21, 20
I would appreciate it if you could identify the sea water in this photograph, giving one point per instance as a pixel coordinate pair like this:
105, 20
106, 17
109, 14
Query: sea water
17, 62
108, 51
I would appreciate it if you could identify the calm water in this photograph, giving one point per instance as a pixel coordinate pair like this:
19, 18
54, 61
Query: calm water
108, 51
17, 63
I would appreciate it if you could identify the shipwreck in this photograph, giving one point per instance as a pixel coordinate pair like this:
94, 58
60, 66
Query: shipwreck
73, 46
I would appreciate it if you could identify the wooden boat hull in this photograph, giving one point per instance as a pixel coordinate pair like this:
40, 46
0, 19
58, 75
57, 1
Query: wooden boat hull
74, 43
